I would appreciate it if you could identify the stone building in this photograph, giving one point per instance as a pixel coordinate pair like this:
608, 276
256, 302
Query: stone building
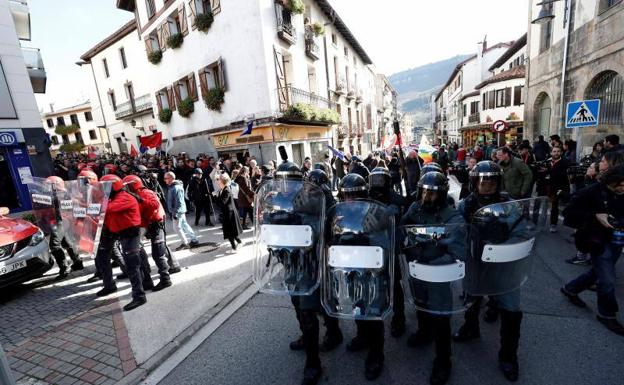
594, 68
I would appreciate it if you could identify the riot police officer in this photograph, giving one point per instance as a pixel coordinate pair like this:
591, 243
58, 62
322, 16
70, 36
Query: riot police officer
485, 186
380, 189
431, 208
370, 333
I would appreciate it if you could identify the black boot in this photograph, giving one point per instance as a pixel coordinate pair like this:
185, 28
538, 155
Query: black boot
78, 265
297, 344
374, 361
423, 335
162, 284
510, 336
136, 302
310, 329
491, 314
441, 372
397, 326
360, 341
373, 365
470, 329
441, 326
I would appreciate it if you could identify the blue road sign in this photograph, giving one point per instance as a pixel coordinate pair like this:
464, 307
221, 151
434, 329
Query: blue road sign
583, 113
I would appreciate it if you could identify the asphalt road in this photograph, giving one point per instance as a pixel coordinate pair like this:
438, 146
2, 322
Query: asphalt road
560, 344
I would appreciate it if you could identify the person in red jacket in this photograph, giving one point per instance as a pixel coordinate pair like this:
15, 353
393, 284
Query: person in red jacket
123, 222
153, 220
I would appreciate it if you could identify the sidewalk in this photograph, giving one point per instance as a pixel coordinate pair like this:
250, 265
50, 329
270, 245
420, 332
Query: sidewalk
59, 333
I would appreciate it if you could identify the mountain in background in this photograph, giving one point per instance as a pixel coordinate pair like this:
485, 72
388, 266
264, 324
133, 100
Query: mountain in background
415, 87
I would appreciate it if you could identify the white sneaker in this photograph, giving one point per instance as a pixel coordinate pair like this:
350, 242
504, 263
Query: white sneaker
553, 228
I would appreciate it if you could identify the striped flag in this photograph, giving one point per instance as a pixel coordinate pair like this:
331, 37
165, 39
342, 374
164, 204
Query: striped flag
337, 153
425, 150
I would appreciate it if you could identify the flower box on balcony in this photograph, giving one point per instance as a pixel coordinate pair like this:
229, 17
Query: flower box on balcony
73, 147
155, 57
165, 115
214, 98
186, 107
203, 21
175, 41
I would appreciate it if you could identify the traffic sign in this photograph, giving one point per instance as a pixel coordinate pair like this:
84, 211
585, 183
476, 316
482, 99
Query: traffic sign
500, 126
583, 113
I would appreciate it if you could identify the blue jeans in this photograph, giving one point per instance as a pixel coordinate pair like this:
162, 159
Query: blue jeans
335, 182
602, 274
184, 230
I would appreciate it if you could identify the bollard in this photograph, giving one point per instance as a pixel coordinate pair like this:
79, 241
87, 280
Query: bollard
6, 378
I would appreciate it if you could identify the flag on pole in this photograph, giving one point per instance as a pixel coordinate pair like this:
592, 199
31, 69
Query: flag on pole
169, 145
151, 141
133, 151
337, 153
249, 128
425, 150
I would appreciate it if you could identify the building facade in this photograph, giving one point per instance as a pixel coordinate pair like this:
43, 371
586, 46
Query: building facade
23, 142
74, 129
386, 102
498, 98
290, 70
121, 96
594, 68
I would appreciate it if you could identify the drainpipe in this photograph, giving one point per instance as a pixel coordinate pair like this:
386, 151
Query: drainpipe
566, 25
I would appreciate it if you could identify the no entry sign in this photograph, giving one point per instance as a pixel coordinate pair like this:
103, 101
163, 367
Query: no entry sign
500, 126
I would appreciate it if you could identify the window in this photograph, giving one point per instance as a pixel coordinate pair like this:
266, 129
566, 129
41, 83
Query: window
346, 51
186, 88
212, 76
546, 30
50, 123
74, 119
202, 6
88, 116
111, 99
518, 95
347, 77
336, 76
92, 135
165, 99
503, 97
176, 22
65, 139
492, 100
474, 108
122, 57
465, 110
129, 92
105, 64
334, 39
485, 101
79, 137
55, 140
606, 4
152, 42
60, 121
151, 8
608, 86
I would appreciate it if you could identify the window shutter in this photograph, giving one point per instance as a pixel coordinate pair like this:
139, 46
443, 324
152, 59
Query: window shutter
148, 45
517, 95
202, 82
507, 96
216, 6
191, 4
221, 74
485, 101
171, 98
176, 92
192, 87
158, 103
160, 30
165, 33
183, 22
492, 99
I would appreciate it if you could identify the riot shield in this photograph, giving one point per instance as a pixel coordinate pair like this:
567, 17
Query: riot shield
358, 266
45, 201
502, 239
432, 261
83, 221
455, 189
287, 237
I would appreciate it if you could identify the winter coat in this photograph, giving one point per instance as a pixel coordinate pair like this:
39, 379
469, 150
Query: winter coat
339, 166
198, 190
245, 193
122, 213
230, 221
175, 198
541, 149
517, 178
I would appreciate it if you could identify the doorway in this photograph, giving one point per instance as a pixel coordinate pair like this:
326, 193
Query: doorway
297, 153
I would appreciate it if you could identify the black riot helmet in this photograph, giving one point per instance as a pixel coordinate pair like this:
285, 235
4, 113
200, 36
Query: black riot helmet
432, 191
318, 177
432, 166
352, 187
379, 183
320, 166
288, 170
486, 181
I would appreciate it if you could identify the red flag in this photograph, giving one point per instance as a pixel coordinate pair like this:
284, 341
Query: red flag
151, 141
133, 151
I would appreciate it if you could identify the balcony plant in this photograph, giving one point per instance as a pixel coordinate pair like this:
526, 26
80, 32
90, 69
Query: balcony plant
175, 41
186, 107
72, 147
319, 29
203, 21
513, 116
310, 113
154, 57
214, 98
165, 115
297, 7
67, 130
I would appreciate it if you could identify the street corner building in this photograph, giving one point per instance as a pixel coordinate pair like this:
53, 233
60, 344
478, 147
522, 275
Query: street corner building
205, 72
24, 145
580, 45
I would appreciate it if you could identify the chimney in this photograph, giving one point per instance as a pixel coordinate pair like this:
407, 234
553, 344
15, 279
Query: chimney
482, 46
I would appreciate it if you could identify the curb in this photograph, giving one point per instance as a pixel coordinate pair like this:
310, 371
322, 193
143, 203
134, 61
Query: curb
141, 372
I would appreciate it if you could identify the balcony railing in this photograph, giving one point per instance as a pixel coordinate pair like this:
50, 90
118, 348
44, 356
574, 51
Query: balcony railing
290, 95
312, 49
131, 107
473, 118
21, 17
285, 29
36, 70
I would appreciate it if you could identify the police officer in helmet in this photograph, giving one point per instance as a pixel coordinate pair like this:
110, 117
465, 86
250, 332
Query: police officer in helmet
430, 208
380, 189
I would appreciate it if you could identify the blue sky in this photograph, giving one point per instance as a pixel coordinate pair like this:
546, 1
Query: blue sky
397, 34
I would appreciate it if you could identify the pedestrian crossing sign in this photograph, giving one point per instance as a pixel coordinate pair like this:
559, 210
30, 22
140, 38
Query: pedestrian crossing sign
583, 113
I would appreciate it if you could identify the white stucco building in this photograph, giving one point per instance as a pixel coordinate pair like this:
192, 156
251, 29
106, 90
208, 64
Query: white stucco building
74, 126
23, 142
121, 95
229, 63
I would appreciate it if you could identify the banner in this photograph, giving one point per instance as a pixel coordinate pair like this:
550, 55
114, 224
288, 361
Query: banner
151, 141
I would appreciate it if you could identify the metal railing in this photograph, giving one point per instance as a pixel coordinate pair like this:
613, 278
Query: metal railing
312, 49
140, 104
286, 31
473, 118
32, 58
295, 95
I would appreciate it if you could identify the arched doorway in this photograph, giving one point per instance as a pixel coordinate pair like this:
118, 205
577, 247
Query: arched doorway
543, 110
608, 86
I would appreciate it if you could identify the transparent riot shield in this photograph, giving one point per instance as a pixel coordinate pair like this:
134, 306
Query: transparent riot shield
358, 266
502, 240
84, 218
455, 189
45, 201
432, 261
287, 237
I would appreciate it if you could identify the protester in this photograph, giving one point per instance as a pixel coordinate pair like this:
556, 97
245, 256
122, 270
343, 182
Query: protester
177, 209
231, 224
245, 197
541, 149
198, 192
517, 176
